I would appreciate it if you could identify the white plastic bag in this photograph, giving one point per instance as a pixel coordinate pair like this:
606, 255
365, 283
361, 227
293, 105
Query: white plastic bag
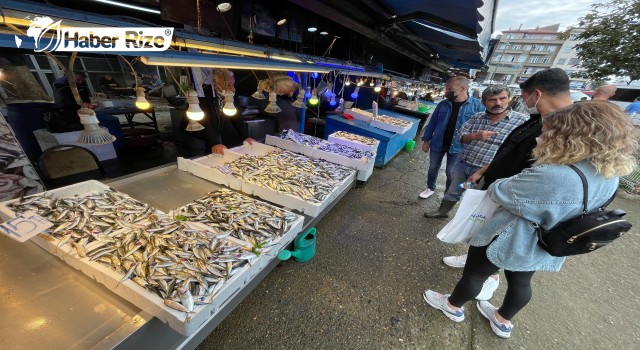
474, 211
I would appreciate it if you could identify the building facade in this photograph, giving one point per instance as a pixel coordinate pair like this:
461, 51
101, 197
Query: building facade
568, 59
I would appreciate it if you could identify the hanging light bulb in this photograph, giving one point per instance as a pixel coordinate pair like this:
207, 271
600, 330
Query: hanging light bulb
314, 98
299, 102
371, 82
354, 94
360, 82
333, 102
328, 91
314, 75
340, 105
259, 94
272, 107
378, 87
307, 93
229, 109
92, 133
194, 112
347, 82
141, 101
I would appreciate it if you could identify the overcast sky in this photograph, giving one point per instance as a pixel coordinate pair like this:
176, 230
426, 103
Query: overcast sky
512, 13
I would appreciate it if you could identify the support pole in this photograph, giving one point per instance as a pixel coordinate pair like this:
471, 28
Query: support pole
302, 112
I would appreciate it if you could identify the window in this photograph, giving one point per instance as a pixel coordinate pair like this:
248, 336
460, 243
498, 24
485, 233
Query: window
527, 70
515, 47
527, 47
522, 58
508, 58
497, 58
574, 61
573, 37
540, 47
562, 61
567, 49
545, 59
551, 48
533, 59
503, 46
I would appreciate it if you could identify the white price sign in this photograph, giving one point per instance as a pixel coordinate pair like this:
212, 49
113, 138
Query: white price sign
23, 227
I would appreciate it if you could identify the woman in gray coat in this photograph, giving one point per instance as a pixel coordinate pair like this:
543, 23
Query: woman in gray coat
596, 137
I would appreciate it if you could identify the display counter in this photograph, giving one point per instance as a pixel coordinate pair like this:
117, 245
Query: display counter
49, 302
390, 143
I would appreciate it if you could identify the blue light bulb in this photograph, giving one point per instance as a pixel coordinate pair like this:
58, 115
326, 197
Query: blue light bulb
332, 102
354, 95
314, 75
307, 94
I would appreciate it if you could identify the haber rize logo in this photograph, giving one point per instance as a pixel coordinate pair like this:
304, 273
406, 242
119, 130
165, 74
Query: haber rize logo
50, 35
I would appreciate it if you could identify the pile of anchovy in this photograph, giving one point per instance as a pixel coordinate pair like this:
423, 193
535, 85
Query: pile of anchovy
287, 172
184, 265
393, 121
355, 138
331, 147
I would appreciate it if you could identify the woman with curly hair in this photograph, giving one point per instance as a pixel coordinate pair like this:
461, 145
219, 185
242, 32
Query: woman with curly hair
596, 137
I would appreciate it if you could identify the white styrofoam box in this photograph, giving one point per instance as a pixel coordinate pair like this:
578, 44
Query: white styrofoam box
354, 144
46, 140
390, 127
256, 149
360, 114
207, 168
140, 297
362, 166
289, 145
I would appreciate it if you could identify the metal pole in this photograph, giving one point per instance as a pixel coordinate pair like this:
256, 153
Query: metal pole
302, 112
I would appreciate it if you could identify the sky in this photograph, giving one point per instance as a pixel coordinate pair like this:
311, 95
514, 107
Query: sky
512, 13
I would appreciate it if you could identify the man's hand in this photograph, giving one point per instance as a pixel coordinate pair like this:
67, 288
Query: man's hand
249, 140
485, 135
218, 149
425, 146
474, 178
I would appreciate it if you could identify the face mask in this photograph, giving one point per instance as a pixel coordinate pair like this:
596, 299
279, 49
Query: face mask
450, 95
534, 109
539, 140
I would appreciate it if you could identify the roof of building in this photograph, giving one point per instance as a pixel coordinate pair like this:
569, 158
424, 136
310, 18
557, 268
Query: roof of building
552, 29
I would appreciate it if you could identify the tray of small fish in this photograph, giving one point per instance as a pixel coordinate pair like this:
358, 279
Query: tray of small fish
288, 179
356, 141
178, 270
391, 124
212, 167
315, 147
360, 114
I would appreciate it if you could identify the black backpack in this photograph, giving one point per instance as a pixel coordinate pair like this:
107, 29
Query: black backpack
585, 233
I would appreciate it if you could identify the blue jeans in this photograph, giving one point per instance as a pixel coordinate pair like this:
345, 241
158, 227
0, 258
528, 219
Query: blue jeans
461, 172
435, 161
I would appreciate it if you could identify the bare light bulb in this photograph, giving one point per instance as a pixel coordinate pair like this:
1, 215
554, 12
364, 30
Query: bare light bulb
141, 101
194, 112
228, 109
347, 82
314, 98
332, 102
272, 107
377, 89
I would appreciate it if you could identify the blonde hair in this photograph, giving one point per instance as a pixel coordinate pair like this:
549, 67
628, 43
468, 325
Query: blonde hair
596, 131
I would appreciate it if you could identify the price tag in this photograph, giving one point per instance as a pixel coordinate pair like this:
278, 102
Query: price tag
22, 228
294, 136
225, 170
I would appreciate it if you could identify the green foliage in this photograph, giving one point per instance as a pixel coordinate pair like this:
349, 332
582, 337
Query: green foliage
611, 40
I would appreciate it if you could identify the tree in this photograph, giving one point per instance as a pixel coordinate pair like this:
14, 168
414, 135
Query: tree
611, 45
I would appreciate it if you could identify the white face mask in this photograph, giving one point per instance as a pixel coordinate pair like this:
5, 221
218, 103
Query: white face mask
539, 140
534, 109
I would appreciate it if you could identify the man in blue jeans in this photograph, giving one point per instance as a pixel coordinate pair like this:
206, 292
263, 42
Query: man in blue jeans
439, 138
481, 135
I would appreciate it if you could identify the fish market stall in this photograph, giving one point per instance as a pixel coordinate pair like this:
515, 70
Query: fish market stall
138, 304
391, 143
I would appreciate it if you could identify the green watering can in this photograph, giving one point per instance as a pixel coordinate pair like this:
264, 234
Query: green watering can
304, 247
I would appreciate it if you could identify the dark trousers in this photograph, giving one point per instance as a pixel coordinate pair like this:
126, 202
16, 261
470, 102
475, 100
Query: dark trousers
477, 269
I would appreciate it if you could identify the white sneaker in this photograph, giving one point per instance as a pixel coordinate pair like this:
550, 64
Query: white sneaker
455, 261
487, 310
488, 288
441, 302
426, 193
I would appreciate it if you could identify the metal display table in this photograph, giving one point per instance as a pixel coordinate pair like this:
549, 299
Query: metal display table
129, 114
49, 302
390, 143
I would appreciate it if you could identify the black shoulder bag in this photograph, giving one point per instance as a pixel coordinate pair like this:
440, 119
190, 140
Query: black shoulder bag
585, 233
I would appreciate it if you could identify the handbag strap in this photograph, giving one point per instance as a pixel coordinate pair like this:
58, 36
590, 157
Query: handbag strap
585, 187
585, 190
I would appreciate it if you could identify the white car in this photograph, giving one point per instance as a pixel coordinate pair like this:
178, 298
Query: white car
576, 96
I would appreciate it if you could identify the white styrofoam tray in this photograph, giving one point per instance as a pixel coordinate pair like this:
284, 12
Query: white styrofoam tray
390, 127
360, 114
142, 298
207, 168
288, 145
354, 144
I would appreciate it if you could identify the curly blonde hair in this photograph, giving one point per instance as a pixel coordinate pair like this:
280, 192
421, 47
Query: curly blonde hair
597, 131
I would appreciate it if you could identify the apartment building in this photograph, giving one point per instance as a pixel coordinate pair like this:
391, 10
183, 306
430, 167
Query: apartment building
521, 53
568, 59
